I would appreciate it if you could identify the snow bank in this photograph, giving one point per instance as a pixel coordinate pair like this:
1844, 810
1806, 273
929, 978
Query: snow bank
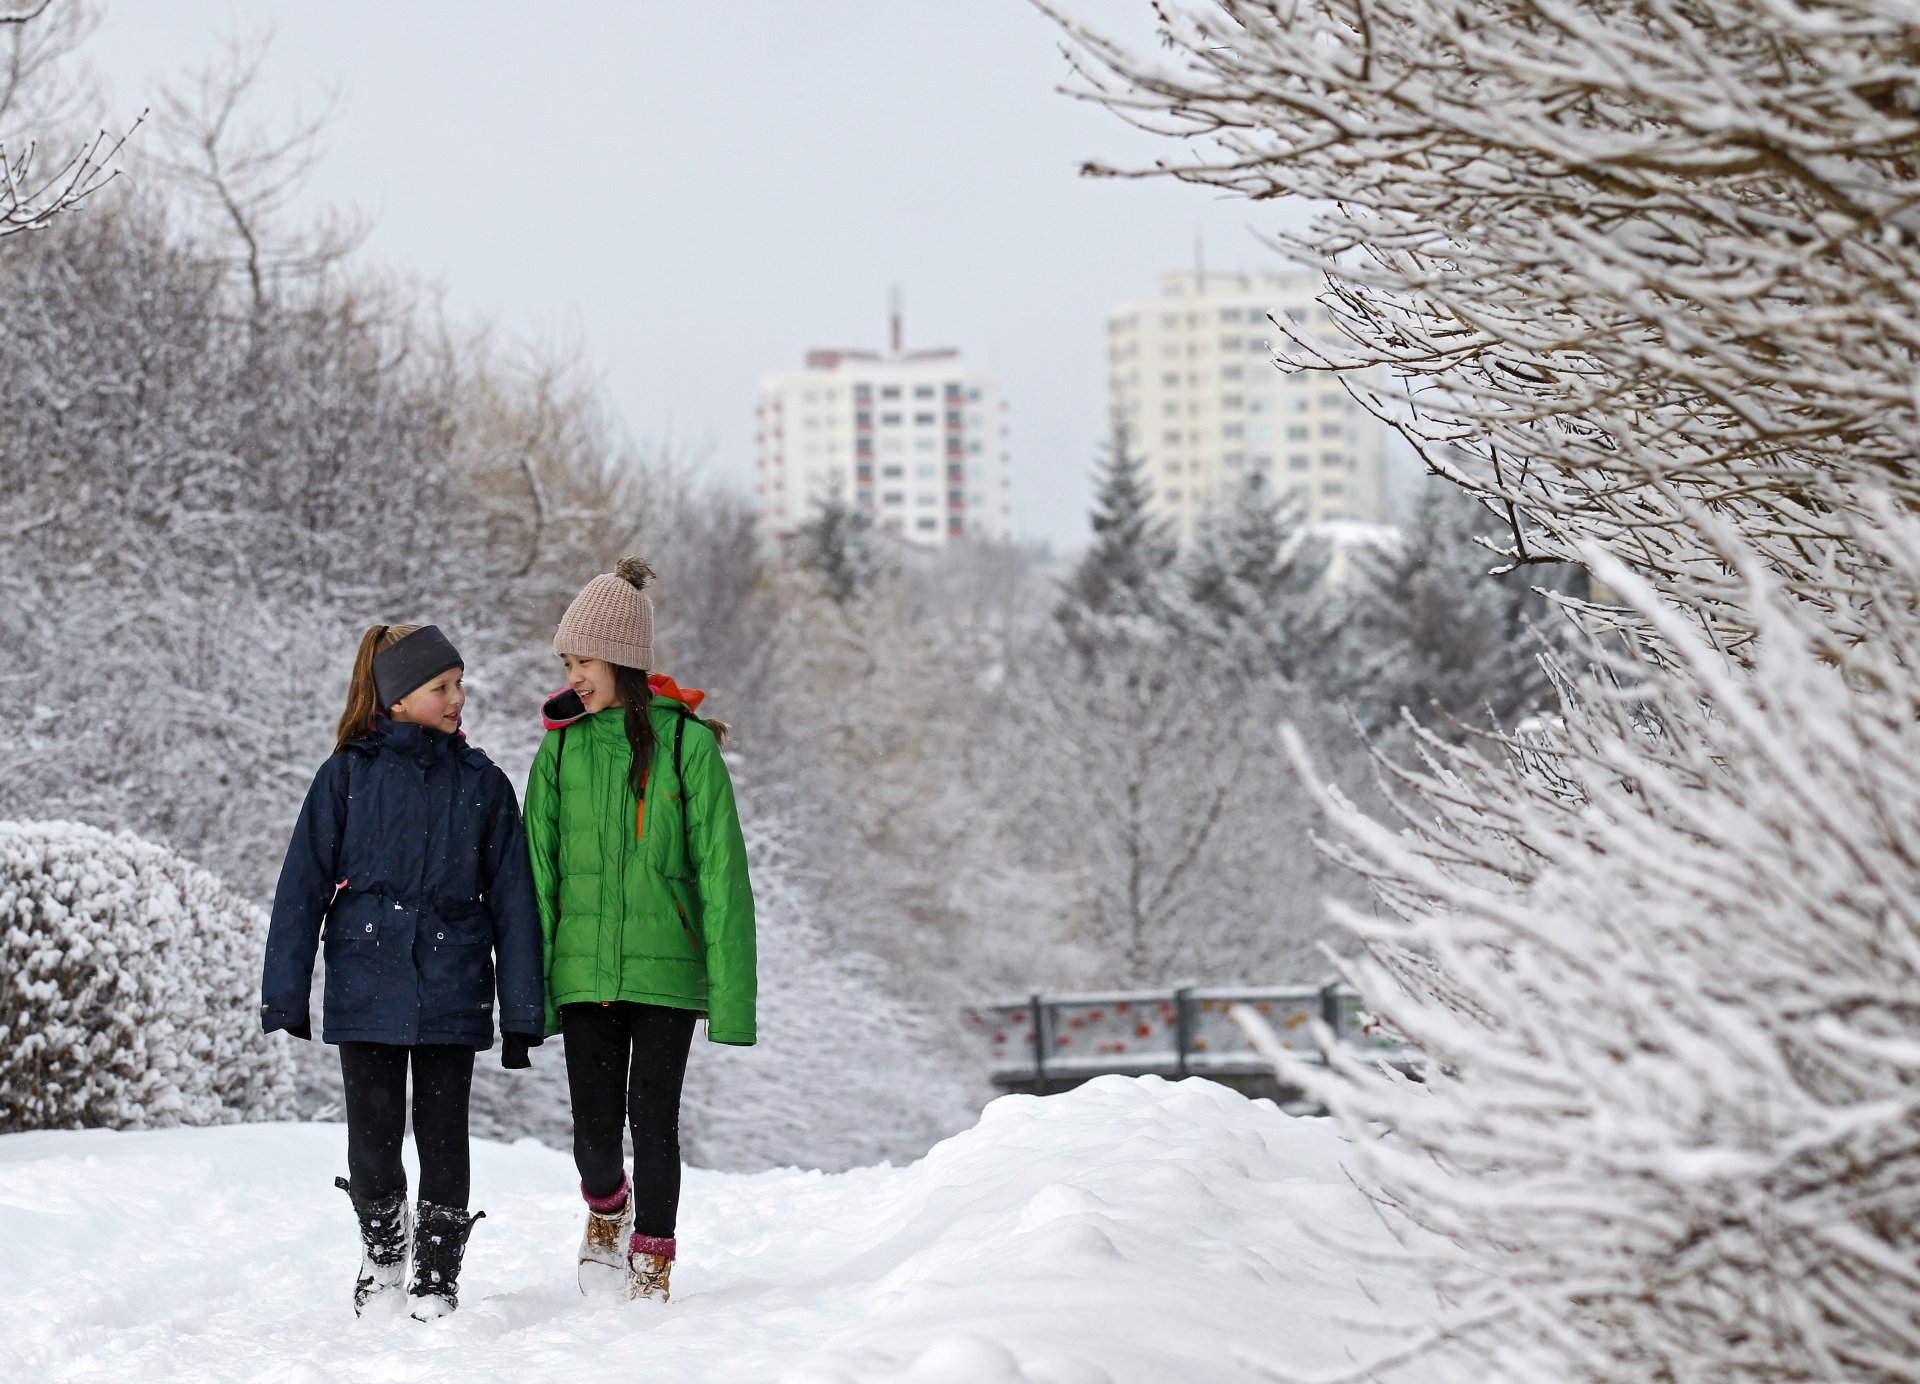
1131, 1230
129, 982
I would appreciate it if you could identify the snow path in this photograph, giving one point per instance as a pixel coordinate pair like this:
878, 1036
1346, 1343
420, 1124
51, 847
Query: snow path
1132, 1230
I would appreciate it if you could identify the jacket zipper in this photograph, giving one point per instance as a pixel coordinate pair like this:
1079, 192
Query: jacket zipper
687, 927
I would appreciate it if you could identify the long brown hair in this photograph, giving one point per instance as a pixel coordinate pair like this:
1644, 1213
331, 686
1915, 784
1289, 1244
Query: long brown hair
630, 686
356, 722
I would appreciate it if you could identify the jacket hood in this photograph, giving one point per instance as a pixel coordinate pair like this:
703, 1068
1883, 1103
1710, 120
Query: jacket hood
414, 741
564, 707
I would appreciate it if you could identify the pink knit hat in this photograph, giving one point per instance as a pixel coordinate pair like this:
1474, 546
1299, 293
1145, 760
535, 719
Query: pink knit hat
611, 618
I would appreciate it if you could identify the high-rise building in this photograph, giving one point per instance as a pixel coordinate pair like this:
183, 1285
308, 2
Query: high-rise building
914, 439
1190, 375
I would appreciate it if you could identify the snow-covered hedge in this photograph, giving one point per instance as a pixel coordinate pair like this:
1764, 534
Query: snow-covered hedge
128, 987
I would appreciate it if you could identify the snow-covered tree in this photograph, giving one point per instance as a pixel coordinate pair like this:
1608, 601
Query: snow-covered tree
129, 988
1252, 576
1650, 268
1125, 582
837, 543
1427, 627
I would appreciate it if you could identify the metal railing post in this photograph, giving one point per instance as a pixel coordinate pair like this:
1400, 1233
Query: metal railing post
1039, 1046
1182, 1028
1333, 1010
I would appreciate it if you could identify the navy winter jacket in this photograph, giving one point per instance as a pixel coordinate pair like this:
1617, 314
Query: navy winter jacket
410, 851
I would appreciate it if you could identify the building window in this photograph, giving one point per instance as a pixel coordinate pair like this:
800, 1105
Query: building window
1171, 466
890, 473
926, 499
1171, 437
1231, 372
1296, 315
862, 393
1333, 429
1232, 430
866, 499
1298, 461
893, 497
890, 391
1336, 398
925, 420
1171, 379
863, 419
889, 420
953, 389
1229, 314
1169, 320
1233, 461
1234, 401
1229, 343
953, 417
1299, 432
864, 445
956, 498
927, 525
1257, 345
925, 472
1261, 461
1333, 487
1174, 495
973, 393
923, 391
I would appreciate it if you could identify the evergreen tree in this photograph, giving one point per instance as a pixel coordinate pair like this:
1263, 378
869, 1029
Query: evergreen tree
1429, 627
1124, 586
1251, 582
838, 544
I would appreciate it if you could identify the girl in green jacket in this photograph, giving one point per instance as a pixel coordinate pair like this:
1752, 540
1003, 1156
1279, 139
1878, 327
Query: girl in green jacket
641, 875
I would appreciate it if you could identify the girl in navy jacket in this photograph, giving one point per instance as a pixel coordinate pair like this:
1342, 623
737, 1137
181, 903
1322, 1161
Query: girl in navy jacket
410, 861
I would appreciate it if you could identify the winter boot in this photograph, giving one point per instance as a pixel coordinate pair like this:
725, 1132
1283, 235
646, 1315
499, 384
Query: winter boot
603, 1265
439, 1241
649, 1265
383, 1244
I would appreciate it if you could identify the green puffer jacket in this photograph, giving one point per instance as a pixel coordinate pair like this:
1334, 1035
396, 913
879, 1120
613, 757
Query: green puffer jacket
629, 912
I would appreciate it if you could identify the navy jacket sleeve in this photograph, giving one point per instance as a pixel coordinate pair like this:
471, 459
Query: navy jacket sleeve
517, 946
307, 881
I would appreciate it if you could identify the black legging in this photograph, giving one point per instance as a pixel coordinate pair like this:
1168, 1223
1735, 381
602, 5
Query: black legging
375, 1075
625, 1063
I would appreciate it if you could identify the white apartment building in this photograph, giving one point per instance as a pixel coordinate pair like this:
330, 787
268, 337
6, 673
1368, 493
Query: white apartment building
1190, 374
915, 439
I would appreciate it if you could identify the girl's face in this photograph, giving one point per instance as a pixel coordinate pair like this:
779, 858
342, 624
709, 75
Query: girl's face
592, 678
435, 704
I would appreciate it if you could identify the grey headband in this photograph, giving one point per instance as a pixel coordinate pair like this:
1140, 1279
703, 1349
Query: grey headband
417, 657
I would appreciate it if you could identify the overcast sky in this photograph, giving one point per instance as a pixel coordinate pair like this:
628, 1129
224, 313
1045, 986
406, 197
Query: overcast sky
690, 193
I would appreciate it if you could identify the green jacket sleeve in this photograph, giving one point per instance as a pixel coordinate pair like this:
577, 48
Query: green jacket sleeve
543, 850
726, 894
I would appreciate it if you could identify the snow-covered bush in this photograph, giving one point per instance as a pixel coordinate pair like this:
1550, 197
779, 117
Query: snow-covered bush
1647, 272
129, 988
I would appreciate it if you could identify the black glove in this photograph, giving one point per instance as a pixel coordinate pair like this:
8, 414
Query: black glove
513, 1049
303, 1029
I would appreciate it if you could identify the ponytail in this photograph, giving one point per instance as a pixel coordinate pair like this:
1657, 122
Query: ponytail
356, 722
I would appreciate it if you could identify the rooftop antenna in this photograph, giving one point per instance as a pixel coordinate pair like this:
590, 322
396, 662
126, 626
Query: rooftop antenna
893, 306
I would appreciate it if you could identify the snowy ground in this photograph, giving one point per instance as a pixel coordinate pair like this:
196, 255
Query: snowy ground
1133, 1230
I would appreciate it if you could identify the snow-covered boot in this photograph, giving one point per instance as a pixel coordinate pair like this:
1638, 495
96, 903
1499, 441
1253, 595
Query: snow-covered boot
649, 1266
383, 1244
439, 1242
603, 1260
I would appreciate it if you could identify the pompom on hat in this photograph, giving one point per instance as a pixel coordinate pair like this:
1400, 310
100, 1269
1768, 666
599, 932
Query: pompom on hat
611, 618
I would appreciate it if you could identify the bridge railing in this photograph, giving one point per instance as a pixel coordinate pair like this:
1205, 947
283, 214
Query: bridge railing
1045, 1040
